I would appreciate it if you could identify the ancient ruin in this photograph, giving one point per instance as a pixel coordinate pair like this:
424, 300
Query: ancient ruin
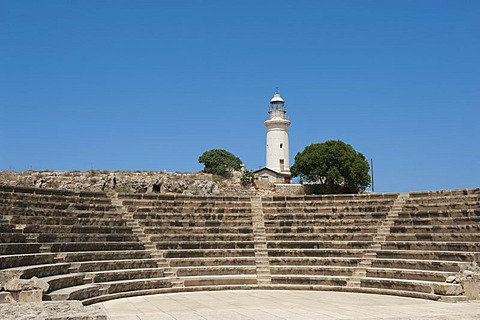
60, 245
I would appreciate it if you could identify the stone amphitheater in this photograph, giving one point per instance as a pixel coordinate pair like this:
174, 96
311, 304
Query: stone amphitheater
73, 250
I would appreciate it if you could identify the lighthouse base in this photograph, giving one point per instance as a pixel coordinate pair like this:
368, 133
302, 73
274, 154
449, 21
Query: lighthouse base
269, 176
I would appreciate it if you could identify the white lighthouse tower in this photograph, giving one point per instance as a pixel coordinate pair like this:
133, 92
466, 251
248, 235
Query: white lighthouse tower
278, 156
277, 136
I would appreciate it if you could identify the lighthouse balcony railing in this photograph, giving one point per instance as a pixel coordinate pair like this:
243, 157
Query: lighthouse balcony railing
276, 107
278, 117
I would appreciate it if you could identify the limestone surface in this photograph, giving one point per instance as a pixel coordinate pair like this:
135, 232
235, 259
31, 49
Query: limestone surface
26, 284
51, 310
195, 183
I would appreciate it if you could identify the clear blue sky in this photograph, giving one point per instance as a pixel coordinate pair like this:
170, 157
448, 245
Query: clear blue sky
151, 85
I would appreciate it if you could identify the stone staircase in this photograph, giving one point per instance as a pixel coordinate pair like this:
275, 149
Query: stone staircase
169, 272
382, 231
264, 277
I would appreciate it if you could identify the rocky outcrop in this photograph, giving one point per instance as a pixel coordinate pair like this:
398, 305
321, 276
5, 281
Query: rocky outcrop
23, 290
197, 183
26, 284
61, 310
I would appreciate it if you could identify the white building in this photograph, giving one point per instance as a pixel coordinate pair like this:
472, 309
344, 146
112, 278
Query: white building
277, 169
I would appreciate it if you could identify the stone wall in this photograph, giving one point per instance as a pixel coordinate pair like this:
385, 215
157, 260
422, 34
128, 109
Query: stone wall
289, 189
196, 183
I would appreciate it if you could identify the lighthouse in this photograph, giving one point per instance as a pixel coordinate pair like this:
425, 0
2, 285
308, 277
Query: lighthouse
277, 168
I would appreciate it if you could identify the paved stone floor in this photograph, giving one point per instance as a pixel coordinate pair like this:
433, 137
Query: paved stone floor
292, 305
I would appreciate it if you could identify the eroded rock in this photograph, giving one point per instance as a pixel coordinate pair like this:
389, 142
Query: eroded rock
26, 285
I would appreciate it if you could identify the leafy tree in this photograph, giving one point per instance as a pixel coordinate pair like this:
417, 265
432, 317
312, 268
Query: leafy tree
219, 162
334, 165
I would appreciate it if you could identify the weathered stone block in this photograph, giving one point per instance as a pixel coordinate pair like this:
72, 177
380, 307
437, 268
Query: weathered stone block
447, 289
27, 296
6, 297
26, 284
472, 289
7, 276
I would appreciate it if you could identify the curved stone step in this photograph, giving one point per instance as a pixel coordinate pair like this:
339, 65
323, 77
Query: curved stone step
445, 289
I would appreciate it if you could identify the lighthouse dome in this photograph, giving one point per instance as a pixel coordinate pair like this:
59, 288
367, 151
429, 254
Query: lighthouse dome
277, 98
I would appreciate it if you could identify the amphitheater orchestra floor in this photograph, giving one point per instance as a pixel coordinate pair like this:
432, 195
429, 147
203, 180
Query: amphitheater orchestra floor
292, 305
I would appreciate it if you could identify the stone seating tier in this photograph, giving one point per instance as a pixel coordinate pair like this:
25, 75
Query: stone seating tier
85, 237
276, 222
320, 236
334, 197
50, 192
432, 214
53, 213
102, 255
19, 248
60, 281
62, 201
310, 280
436, 288
437, 221
93, 246
324, 219
64, 221
103, 265
234, 217
428, 265
209, 253
432, 246
336, 261
39, 270
125, 274
316, 253
187, 224
63, 205
211, 244
272, 229
437, 237
444, 193
442, 206
434, 229
212, 261
128, 198
90, 229
86, 291
15, 237
192, 210
319, 244
311, 270
17, 260
169, 237
240, 281
195, 230
427, 255
424, 275
451, 203
215, 270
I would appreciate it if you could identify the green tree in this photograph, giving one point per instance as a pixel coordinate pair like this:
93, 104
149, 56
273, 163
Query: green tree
334, 165
219, 162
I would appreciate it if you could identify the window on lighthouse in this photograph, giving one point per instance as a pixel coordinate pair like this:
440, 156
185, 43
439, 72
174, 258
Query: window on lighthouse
281, 145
